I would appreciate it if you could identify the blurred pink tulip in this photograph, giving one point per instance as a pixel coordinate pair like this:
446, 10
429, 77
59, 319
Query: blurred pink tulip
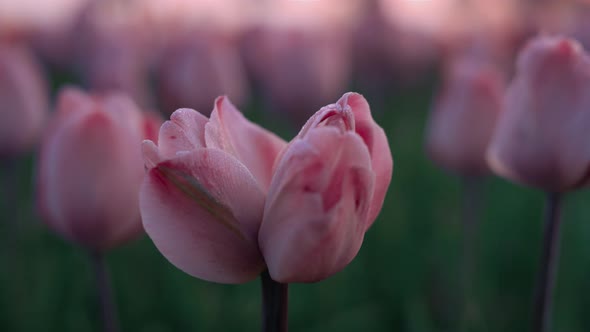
112, 41
23, 100
387, 51
198, 66
203, 197
580, 29
90, 169
464, 116
542, 137
328, 187
299, 69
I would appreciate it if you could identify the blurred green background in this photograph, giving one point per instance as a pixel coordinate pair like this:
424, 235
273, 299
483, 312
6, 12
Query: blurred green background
407, 276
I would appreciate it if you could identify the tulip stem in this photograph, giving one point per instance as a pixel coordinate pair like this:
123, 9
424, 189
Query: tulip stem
548, 265
275, 297
10, 198
472, 202
104, 293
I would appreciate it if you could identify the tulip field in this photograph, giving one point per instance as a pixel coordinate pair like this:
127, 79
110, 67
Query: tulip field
326, 165
406, 277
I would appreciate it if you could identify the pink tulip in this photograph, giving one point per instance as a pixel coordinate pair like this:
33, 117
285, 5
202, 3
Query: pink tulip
542, 138
327, 189
112, 41
196, 67
464, 116
203, 196
90, 169
300, 69
23, 100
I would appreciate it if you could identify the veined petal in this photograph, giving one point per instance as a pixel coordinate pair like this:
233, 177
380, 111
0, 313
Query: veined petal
376, 140
317, 210
90, 172
184, 132
254, 146
202, 210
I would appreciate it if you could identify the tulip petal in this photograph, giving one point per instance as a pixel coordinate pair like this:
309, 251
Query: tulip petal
376, 140
539, 138
72, 99
184, 132
254, 146
464, 116
151, 126
202, 210
317, 208
24, 100
89, 181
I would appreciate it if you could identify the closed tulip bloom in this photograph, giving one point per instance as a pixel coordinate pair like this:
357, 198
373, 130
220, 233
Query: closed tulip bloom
111, 48
300, 69
23, 100
464, 116
197, 67
327, 189
90, 169
203, 197
542, 137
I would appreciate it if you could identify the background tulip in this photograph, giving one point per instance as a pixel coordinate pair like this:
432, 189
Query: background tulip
23, 100
400, 50
196, 67
541, 141
90, 169
203, 197
464, 116
327, 189
112, 40
299, 54
541, 138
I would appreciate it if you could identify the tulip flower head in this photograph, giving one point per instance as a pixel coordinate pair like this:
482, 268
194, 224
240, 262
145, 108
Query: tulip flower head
203, 197
224, 199
541, 139
90, 169
464, 116
327, 189
23, 100
201, 61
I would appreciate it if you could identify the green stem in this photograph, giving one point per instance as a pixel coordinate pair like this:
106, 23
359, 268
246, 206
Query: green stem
275, 297
548, 265
104, 293
472, 203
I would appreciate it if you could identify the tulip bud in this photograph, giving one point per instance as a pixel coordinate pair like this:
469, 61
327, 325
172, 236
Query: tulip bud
464, 116
327, 189
299, 69
90, 169
203, 197
112, 42
541, 139
23, 100
196, 68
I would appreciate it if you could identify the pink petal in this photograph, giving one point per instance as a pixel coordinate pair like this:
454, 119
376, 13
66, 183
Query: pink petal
463, 118
203, 210
197, 66
72, 99
90, 173
254, 146
124, 111
23, 100
376, 140
151, 125
184, 132
541, 138
316, 212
